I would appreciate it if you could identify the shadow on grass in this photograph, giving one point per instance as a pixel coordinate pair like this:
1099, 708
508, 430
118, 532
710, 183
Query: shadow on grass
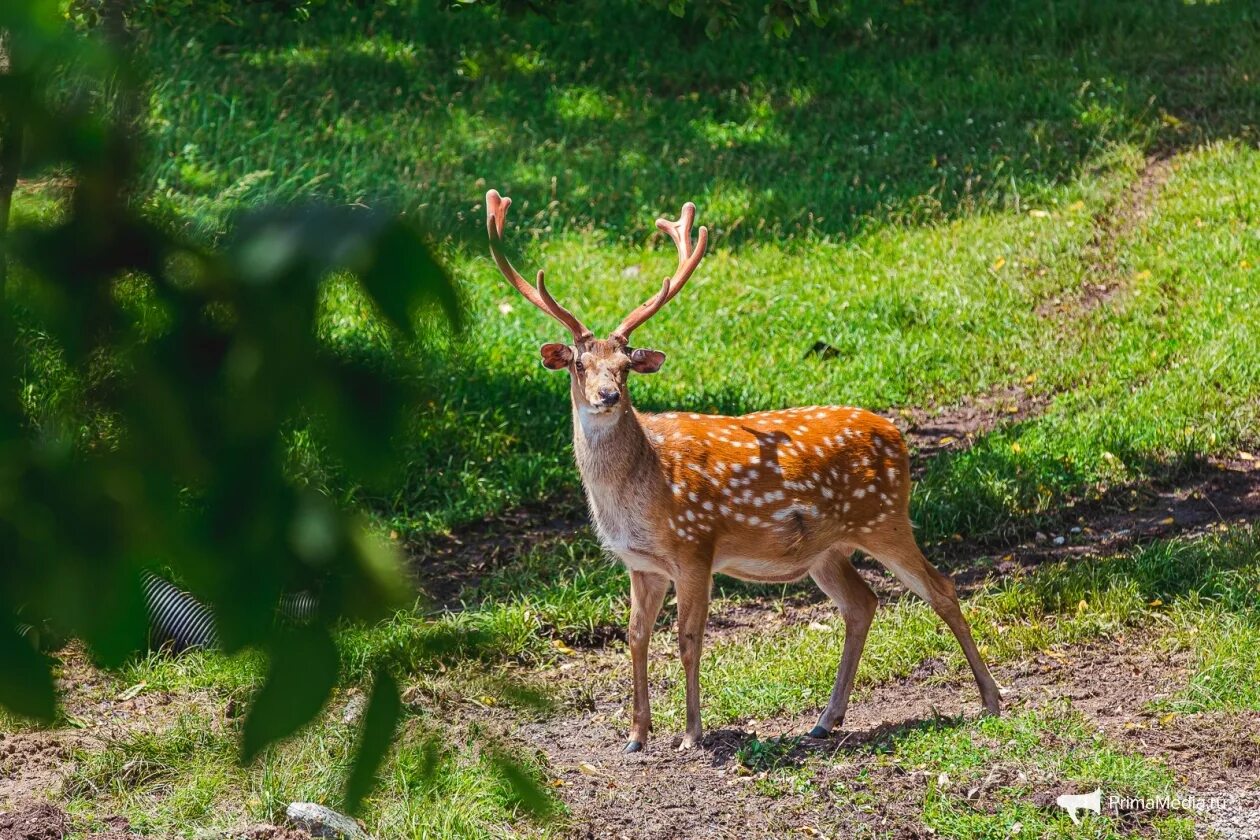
794, 750
611, 113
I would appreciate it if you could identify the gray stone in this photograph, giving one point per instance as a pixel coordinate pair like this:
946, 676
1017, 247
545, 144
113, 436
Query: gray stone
318, 821
354, 709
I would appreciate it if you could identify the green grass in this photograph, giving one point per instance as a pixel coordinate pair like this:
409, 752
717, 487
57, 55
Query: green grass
908, 187
904, 113
1050, 747
912, 187
186, 775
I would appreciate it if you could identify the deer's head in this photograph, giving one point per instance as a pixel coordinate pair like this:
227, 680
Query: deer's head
599, 367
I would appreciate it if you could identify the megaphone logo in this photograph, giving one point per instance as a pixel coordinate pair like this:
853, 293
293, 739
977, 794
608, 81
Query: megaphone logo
1074, 803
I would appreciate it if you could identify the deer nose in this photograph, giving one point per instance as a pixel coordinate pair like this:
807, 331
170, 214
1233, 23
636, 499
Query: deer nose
609, 396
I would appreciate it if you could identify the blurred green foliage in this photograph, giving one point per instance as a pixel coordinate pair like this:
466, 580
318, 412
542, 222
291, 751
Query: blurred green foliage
200, 393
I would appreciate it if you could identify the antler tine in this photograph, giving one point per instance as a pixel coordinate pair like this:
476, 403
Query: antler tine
688, 260
680, 231
496, 217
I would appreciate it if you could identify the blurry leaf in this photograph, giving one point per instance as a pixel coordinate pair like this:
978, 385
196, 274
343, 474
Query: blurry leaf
26, 685
303, 670
523, 790
379, 722
402, 274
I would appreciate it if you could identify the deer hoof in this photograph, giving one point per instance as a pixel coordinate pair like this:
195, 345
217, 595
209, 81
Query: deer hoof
633, 746
819, 732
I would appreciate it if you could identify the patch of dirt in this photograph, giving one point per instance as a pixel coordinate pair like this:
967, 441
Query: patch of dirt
37, 822
446, 565
45, 821
929, 432
31, 763
853, 790
34, 764
1213, 496
1112, 227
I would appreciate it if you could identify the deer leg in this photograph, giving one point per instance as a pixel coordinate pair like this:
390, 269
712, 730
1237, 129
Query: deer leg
897, 550
836, 576
647, 593
692, 587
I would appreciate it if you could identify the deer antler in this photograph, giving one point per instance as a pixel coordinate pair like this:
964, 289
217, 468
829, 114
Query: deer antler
688, 259
496, 214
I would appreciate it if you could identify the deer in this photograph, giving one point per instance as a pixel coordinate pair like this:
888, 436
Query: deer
770, 496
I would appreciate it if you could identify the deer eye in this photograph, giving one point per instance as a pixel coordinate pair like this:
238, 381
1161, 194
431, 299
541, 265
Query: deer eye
581, 368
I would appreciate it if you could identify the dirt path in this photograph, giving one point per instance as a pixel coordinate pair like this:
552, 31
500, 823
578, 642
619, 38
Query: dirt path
663, 793
1113, 225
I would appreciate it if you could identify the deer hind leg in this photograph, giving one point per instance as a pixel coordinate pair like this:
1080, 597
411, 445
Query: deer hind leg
692, 586
647, 593
841, 582
896, 549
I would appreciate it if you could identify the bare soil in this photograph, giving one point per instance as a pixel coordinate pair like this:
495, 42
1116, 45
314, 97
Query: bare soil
931, 431
45, 821
448, 565
1212, 496
853, 790
1113, 225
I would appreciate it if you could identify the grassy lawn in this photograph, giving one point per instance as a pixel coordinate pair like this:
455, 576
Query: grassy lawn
1051, 206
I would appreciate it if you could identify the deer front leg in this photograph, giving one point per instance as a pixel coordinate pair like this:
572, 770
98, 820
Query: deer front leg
647, 593
693, 611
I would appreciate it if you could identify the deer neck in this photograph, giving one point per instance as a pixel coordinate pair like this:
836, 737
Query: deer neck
620, 472
610, 450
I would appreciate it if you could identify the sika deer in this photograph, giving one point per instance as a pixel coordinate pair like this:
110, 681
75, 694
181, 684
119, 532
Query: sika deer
770, 496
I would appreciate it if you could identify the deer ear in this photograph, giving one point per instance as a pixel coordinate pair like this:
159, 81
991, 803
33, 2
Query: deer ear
646, 361
556, 356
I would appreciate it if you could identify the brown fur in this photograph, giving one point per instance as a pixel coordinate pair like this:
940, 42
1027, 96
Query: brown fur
771, 496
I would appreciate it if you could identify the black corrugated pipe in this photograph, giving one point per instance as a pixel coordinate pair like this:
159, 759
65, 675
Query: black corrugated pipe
178, 621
